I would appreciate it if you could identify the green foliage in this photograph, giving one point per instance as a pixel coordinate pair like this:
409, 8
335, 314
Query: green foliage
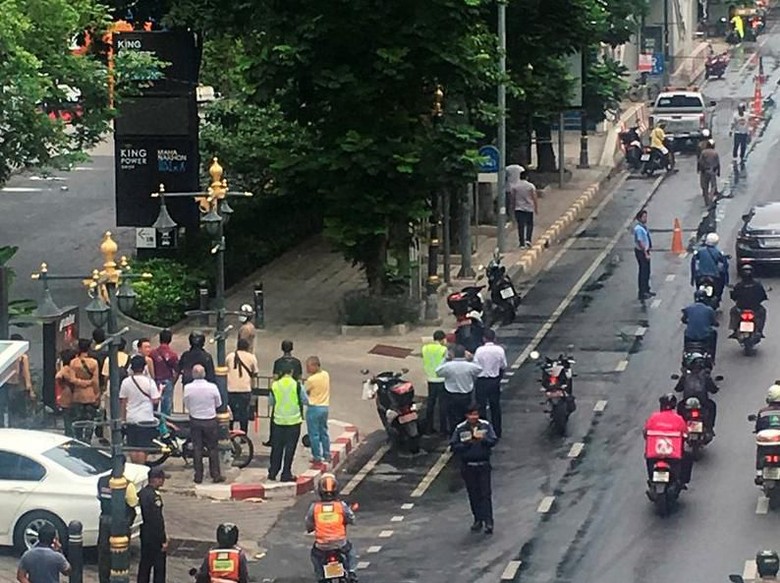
359, 308
173, 289
605, 85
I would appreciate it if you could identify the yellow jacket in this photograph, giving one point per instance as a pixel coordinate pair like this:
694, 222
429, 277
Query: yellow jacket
657, 137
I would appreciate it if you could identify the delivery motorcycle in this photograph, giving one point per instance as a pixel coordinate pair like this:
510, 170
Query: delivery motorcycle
502, 304
768, 451
663, 486
557, 384
395, 406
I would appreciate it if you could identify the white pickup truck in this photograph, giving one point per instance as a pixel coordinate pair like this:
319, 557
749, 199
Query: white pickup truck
685, 114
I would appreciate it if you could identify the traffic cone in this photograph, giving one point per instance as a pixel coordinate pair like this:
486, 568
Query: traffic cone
677, 239
758, 101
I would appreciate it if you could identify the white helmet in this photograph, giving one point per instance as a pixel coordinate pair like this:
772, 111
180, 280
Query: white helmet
711, 239
247, 313
705, 133
773, 394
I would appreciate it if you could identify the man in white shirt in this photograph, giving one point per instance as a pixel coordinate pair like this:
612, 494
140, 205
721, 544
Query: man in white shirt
492, 358
201, 400
138, 396
458, 374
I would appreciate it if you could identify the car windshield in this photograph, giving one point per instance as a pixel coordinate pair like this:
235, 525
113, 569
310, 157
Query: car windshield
675, 101
80, 459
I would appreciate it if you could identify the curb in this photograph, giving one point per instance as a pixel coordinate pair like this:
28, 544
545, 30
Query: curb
340, 449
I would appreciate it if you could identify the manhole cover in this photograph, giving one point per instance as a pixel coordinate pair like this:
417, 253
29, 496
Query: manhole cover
392, 351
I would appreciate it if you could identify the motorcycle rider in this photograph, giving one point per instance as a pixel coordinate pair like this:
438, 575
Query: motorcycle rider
227, 562
697, 382
740, 129
658, 142
328, 520
708, 260
767, 418
708, 166
700, 321
748, 293
665, 432
196, 355
767, 565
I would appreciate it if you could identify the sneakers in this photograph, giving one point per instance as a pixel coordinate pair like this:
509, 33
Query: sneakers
477, 526
489, 527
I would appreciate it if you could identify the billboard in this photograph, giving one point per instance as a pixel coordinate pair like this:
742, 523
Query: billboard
158, 116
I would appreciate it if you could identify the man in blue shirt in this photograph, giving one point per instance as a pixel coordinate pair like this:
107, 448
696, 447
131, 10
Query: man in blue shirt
709, 261
642, 246
700, 322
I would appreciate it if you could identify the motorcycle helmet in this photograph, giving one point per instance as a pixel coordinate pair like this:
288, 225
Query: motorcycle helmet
227, 535
458, 302
705, 133
767, 563
746, 271
197, 339
328, 487
247, 312
773, 394
711, 240
668, 402
692, 403
741, 107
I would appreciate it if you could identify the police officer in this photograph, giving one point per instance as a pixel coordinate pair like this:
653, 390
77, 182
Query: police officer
104, 525
154, 540
471, 443
227, 562
767, 565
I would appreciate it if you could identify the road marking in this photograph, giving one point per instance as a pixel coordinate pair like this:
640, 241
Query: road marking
750, 571
640, 331
361, 475
762, 506
386, 534
600, 406
374, 549
511, 570
576, 449
504, 381
515, 366
363, 565
670, 277
684, 255
21, 189
432, 473
546, 504
509, 373
655, 303
407, 506
82, 168
621, 366
397, 519
48, 178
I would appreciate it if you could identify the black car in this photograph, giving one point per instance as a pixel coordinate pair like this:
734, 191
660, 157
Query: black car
758, 240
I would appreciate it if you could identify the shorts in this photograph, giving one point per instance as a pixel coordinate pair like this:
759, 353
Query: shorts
141, 435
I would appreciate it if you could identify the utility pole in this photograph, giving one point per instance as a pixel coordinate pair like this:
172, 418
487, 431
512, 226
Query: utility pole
666, 43
501, 235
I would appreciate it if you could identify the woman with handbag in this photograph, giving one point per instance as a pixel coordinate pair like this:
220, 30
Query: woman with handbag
242, 368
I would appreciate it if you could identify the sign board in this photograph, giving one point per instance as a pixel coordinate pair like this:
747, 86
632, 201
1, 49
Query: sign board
491, 159
574, 69
149, 238
658, 64
158, 116
645, 64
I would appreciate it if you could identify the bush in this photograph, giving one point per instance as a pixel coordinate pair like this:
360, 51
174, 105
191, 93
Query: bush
359, 308
173, 289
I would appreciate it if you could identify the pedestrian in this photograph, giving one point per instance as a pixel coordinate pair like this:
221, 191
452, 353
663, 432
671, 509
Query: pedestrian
154, 539
523, 201
17, 391
44, 562
708, 166
201, 400
247, 331
458, 374
65, 382
166, 370
318, 396
104, 523
287, 399
740, 129
86, 396
471, 443
643, 244
492, 358
144, 348
196, 355
281, 364
433, 355
242, 369
138, 397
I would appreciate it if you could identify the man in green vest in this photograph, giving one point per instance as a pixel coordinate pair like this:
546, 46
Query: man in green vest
287, 398
433, 354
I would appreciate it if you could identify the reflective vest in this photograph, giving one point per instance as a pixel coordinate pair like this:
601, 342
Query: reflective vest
433, 355
287, 405
329, 522
224, 565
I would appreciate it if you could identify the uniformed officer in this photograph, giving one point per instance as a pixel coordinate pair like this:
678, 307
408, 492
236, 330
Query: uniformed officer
104, 525
287, 399
227, 562
471, 443
154, 539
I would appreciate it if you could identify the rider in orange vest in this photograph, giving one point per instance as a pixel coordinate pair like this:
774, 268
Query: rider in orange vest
328, 519
227, 562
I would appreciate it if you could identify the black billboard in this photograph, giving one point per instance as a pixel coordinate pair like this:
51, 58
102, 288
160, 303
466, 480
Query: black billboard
142, 163
158, 116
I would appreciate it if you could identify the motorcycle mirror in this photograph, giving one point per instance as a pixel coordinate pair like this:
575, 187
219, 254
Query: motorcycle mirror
675, 377
404, 370
364, 371
752, 417
534, 355
746, 217
193, 571
736, 579
718, 378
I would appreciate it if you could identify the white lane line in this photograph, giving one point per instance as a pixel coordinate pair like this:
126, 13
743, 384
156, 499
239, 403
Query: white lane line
363, 565
509, 373
511, 570
432, 473
20, 189
684, 255
361, 475
515, 366
600, 406
555, 316
407, 506
621, 366
750, 571
762, 506
504, 381
655, 303
397, 519
83, 168
546, 504
670, 277
386, 534
576, 449
640, 331
374, 549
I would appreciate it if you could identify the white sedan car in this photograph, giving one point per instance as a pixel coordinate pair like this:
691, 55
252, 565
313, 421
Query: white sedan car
50, 478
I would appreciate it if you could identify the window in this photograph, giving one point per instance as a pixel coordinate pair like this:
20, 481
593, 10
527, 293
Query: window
80, 459
18, 467
675, 101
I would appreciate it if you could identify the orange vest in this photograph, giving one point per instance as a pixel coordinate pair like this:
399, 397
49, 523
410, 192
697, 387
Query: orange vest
329, 523
224, 565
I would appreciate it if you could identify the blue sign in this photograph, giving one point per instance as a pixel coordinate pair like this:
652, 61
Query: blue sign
491, 157
658, 64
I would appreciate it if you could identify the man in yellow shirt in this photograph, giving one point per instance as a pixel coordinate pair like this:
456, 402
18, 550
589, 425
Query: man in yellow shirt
657, 142
318, 392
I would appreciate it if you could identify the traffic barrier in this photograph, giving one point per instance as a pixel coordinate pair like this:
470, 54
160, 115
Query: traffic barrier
677, 238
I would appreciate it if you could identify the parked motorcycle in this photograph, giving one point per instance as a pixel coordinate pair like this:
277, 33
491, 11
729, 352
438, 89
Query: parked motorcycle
632, 146
768, 450
503, 301
663, 488
557, 385
175, 442
716, 65
747, 333
395, 406
653, 159
467, 306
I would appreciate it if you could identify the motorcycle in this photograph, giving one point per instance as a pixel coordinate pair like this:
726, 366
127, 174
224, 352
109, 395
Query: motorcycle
768, 450
699, 432
663, 489
716, 65
557, 385
695, 356
632, 146
175, 442
502, 304
747, 334
653, 159
467, 306
335, 563
395, 406
708, 285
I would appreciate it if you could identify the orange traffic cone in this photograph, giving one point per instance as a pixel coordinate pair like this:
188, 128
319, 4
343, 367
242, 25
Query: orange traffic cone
758, 101
677, 239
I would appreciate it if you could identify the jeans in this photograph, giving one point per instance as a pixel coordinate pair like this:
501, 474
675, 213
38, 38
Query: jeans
525, 226
436, 395
740, 145
318, 558
643, 277
488, 391
239, 406
166, 402
205, 432
283, 443
479, 489
317, 424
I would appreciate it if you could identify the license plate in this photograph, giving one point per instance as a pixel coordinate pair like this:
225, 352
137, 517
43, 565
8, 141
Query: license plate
695, 426
408, 417
555, 394
507, 293
771, 473
645, 157
771, 243
661, 477
747, 326
333, 570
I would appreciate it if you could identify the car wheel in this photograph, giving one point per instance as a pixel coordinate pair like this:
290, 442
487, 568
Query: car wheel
26, 530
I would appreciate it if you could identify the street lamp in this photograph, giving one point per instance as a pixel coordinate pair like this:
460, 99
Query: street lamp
215, 213
110, 291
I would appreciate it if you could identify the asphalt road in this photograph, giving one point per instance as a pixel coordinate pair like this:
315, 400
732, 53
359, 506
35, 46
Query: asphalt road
569, 512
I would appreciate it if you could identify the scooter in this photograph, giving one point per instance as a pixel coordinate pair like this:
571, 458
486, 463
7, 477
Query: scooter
747, 334
708, 286
395, 406
768, 449
653, 159
557, 383
467, 306
632, 147
716, 65
699, 432
502, 304
663, 489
